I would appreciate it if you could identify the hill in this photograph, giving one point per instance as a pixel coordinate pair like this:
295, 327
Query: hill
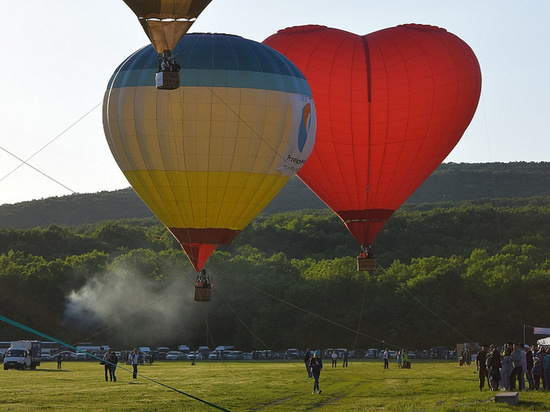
451, 182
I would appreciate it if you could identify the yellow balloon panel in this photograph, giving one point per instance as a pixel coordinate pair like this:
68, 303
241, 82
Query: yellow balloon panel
205, 199
196, 128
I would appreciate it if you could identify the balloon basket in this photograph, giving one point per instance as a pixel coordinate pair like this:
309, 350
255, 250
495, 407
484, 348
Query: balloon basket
167, 80
202, 294
366, 264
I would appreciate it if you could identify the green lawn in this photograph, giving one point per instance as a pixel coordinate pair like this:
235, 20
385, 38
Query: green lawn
254, 386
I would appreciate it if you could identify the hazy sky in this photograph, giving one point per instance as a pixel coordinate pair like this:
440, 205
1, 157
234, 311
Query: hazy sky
59, 54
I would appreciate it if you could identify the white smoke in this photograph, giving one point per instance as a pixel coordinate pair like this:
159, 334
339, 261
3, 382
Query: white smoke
131, 309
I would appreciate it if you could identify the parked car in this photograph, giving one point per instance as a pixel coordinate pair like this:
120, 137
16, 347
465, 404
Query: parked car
213, 355
175, 355
194, 356
81, 356
66, 354
234, 355
439, 352
184, 348
292, 354
371, 353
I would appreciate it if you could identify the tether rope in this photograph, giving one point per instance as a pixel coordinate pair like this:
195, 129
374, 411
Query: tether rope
35, 332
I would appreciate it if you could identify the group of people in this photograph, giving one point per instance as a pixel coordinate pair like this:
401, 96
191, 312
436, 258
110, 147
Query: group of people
402, 357
203, 281
334, 358
169, 63
510, 367
110, 360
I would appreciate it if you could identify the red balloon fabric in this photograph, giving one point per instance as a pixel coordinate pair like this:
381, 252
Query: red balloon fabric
391, 105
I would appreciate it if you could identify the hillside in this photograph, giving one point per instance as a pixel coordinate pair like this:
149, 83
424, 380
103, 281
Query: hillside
452, 182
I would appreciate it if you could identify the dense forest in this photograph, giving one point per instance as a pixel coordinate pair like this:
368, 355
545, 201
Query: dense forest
452, 271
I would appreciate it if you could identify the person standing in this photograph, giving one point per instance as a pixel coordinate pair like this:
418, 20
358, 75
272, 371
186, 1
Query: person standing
345, 359
405, 359
307, 359
529, 366
334, 358
386, 357
113, 360
59, 359
494, 368
515, 357
481, 366
134, 358
316, 364
106, 366
399, 359
546, 368
506, 368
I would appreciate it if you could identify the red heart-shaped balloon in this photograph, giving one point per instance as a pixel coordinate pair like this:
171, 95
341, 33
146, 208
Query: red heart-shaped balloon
391, 105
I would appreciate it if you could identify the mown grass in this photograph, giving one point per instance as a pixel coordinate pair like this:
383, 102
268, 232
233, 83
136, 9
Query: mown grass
254, 386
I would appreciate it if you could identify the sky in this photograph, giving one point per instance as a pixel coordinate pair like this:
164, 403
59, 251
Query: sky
58, 56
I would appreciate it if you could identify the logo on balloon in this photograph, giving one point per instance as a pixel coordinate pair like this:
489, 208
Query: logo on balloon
305, 125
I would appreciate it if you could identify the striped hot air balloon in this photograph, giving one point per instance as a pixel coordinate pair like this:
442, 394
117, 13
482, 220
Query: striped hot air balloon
208, 157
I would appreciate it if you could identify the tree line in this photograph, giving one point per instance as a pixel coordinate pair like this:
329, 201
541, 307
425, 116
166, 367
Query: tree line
448, 273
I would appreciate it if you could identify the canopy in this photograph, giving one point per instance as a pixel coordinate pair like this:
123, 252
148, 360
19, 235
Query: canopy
166, 21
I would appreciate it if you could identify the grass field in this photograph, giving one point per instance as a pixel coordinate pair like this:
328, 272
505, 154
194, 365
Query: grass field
254, 386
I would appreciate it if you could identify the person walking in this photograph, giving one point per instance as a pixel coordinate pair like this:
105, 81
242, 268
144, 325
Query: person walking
307, 359
134, 358
316, 364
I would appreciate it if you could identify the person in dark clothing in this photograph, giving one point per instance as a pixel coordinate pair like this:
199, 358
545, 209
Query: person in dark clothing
106, 366
307, 359
110, 359
515, 357
316, 364
494, 365
345, 359
481, 366
530, 364
59, 359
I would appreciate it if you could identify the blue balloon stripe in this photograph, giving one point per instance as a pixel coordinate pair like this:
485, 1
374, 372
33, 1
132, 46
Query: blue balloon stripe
218, 78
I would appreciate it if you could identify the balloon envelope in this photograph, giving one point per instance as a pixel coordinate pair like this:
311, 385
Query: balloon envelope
166, 21
391, 105
208, 157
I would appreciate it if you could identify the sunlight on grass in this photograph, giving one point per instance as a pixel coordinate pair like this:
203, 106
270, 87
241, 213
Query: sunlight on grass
254, 386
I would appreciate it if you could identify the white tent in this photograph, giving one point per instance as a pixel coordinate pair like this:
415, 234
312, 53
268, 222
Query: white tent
544, 342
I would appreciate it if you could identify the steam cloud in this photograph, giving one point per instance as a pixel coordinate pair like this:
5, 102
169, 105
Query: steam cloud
133, 310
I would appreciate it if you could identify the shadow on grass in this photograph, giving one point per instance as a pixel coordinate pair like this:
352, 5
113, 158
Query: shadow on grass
47, 370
